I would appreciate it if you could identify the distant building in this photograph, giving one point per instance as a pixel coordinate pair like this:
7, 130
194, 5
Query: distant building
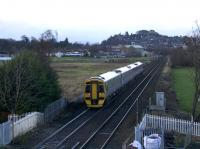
62, 54
111, 53
119, 46
5, 57
123, 51
59, 54
140, 49
74, 53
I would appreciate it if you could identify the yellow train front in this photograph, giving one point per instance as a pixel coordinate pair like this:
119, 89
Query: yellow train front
94, 94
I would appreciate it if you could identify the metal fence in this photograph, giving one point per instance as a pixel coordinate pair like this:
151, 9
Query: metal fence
52, 110
171, 124
5, 133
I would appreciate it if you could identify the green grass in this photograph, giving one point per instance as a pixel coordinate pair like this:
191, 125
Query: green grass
183, 84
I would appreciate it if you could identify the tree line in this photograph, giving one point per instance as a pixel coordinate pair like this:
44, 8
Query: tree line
46, 41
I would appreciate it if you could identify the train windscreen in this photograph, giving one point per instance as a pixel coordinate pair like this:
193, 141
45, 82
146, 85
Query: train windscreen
101, 88
87, 89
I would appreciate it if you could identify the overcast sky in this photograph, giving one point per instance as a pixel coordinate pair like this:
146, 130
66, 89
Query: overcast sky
95, 20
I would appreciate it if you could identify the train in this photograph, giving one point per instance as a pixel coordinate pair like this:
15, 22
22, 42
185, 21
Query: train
99, 89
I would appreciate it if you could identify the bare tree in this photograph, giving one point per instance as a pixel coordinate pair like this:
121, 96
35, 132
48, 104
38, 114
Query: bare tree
12, 87
196, 61
48, 40
25, 39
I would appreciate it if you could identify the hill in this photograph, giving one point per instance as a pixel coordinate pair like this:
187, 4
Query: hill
148, 39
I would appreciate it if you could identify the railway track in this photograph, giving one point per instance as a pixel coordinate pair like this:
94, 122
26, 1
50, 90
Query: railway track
83, 129
101, 137
123, 134
70, 127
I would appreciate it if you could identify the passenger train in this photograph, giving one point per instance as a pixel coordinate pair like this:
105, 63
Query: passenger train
100, 88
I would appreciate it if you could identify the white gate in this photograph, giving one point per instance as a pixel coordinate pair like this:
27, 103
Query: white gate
170, 123
5, 133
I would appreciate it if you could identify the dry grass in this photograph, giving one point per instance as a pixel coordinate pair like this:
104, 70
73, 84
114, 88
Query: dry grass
72, 74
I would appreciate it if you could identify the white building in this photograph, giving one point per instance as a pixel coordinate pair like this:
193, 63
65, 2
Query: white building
75, 53
59, 54
5, 58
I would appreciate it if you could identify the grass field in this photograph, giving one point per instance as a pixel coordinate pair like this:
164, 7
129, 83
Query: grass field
73, 71
184, 86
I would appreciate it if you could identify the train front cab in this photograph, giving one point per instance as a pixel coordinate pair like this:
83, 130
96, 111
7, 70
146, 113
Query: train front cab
94, 94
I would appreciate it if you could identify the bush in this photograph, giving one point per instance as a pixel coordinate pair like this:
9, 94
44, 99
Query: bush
28, 83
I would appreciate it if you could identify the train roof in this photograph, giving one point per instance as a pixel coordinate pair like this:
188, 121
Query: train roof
128, 67
134, 65
109, 75
112, 74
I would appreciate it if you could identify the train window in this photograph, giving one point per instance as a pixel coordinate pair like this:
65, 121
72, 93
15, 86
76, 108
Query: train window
101, 88
87, 89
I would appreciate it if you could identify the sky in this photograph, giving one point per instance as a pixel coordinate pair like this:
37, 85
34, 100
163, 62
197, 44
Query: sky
95, 20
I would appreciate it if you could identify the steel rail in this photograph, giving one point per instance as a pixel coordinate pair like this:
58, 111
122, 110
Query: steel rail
68, 123
114, 130
74, 131
84, 123
60, 129
116, 110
